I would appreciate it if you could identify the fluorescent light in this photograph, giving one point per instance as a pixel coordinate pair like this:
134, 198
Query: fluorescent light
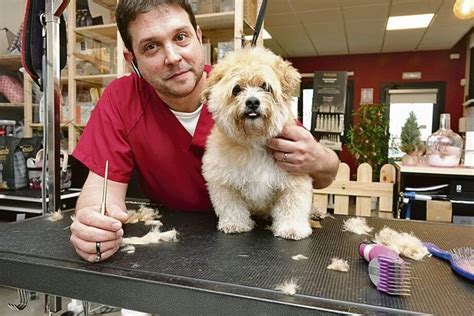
409, 21
265, 34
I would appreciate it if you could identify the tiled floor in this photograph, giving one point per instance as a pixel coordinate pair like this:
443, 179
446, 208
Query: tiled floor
34, 308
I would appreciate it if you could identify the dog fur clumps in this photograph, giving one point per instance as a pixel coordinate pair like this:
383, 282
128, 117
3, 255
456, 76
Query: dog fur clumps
249, 95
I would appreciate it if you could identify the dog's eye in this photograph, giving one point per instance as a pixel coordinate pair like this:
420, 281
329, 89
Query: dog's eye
236, 90
266, 87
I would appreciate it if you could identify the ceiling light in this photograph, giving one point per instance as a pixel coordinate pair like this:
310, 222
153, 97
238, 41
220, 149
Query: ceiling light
265, 35
464, 9
409, 21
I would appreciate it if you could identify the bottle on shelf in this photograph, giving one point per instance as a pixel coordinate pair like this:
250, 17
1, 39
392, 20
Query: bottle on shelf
444, 147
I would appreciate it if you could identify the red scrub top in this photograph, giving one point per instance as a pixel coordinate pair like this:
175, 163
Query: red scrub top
132, 127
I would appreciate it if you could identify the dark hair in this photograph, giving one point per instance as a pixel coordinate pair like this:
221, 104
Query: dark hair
127, 11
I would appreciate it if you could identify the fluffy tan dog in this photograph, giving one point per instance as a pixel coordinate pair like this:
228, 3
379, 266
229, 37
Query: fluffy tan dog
249, 96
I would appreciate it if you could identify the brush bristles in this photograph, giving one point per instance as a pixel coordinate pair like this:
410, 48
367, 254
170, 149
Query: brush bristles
464, 257
390, 275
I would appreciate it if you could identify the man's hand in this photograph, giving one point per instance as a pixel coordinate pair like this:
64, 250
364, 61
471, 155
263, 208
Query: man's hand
296, 151
90, 227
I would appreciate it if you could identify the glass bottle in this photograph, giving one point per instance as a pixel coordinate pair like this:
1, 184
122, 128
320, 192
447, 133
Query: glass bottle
444, 147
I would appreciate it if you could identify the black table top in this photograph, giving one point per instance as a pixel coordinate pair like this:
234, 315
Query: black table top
209, 272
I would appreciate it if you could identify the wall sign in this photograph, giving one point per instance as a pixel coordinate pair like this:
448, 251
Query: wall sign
329, 91
367, 96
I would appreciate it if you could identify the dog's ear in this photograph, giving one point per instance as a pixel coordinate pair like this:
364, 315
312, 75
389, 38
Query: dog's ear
289, 77
212, 80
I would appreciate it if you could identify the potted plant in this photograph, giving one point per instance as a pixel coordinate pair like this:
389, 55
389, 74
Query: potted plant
368, 137
411, 143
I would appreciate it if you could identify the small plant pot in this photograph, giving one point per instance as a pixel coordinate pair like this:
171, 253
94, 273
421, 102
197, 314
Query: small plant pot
410, 159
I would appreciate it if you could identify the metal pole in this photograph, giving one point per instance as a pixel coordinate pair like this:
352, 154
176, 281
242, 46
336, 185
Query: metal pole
52, 105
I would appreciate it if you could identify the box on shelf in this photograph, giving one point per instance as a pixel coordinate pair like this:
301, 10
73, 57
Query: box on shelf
439, 211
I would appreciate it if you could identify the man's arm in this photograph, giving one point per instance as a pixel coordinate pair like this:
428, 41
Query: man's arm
296, 151
90, 227
326, 168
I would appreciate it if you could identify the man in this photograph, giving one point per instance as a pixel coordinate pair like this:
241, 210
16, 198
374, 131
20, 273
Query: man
155, 122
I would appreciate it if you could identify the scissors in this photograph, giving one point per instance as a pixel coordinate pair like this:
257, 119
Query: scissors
104, 189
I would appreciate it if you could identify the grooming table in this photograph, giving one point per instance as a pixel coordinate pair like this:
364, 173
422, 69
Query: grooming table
210, 273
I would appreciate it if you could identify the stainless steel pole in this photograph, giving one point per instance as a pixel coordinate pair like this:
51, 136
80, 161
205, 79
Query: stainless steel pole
52, 105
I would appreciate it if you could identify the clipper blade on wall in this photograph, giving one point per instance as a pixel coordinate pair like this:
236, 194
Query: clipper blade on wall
387, 271
390, 275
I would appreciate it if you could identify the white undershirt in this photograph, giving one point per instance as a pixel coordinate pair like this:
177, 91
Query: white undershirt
188, 120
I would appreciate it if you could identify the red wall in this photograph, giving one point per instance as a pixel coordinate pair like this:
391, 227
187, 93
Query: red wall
373, 70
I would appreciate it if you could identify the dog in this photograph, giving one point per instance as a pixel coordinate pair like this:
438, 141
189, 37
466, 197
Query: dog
249, 94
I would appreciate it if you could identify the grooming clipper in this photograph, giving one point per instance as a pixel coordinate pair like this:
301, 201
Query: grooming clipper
387, 271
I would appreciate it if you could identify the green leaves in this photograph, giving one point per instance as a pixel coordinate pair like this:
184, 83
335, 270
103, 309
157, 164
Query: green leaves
368, 137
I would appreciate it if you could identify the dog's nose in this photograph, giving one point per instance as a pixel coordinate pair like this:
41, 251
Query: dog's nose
252, 103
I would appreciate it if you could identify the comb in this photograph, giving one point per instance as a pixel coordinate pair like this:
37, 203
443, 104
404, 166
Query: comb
387, 271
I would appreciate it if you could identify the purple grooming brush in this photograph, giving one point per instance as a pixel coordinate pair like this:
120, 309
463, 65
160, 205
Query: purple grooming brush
387, 271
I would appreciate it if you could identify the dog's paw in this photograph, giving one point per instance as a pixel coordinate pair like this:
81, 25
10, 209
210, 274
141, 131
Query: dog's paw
232, 227
292, 230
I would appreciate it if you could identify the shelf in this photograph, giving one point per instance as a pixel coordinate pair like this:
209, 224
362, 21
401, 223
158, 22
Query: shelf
40, 125
330, 113
109, 4
79, 125
425, 169
11, 106
95, 80
216, 21
331, 145
106, 33
10, 62
326, 131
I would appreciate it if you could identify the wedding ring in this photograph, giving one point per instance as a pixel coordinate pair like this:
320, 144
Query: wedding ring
285, 157
98, 254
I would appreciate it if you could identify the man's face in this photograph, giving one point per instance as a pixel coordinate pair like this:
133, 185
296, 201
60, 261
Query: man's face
168, 50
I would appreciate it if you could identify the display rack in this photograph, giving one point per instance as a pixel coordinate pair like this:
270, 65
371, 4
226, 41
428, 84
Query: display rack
328, 122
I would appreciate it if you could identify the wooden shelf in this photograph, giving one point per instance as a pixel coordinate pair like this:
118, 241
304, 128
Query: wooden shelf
216, 21
106, 33
95, 80
10, 62
80, 125
109, 4
15, 106
40, 125
216, 33
11, 105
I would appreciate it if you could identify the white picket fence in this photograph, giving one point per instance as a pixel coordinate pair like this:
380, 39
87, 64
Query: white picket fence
363, 189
